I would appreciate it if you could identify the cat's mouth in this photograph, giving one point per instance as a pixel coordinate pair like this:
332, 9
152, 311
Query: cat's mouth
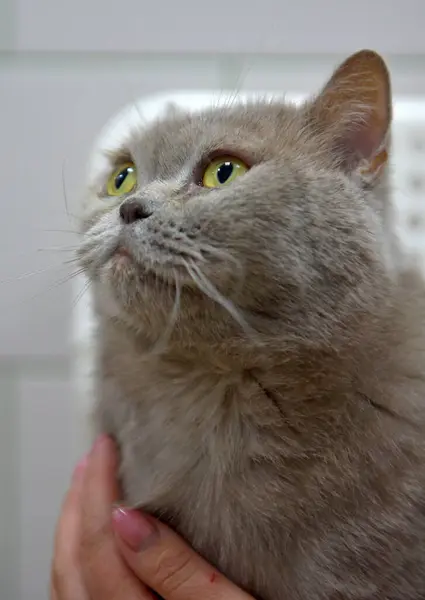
122, 261
123, 252
122, 255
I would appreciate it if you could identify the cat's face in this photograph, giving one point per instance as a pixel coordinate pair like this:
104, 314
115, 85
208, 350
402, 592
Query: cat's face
235, 223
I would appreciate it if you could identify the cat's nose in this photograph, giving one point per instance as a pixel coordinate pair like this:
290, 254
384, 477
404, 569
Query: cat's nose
132, 211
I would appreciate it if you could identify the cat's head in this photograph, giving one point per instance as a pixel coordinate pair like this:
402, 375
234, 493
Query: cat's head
249, 221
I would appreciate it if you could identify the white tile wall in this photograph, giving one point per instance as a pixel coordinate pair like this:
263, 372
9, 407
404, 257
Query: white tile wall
51, 108
65, 67
221, 26
9, 487
50, 114
47, 453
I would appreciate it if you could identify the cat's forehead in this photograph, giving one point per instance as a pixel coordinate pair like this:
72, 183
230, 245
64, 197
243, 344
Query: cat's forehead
253, 128
162, 145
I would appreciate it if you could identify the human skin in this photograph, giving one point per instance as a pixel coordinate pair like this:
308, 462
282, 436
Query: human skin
106, 552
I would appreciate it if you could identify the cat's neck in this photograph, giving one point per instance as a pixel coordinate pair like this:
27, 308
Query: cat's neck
359, 349
304, 404
294, 371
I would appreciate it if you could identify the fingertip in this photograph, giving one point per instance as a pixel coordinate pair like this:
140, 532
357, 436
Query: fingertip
103, 451
101, 444
80, 468
167, 564
101, 460
136, 529
100, 485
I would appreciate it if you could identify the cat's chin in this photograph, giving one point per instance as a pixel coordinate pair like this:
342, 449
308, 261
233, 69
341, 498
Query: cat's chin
126, 290
122, 269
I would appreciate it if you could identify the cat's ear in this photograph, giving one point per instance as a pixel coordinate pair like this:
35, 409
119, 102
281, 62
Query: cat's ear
353, 112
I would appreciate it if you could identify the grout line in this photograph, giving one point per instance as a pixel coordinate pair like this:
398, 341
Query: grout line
307, 62
230, 72
10, 497
8, 25
301, 71
46, 366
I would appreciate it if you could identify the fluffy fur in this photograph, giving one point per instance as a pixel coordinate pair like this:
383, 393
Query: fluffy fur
260, 362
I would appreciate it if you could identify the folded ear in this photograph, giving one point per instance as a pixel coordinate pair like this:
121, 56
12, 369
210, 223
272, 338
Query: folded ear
353, 112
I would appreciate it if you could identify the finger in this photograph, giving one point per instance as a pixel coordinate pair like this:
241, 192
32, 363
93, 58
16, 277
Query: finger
162, 560
67, 531
66, 580
104, 572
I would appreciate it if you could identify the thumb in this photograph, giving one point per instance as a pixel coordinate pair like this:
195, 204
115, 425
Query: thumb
164, 562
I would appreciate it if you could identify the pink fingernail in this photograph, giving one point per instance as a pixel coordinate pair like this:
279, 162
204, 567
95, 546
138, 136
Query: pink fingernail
99, 441
80, 467
134, 528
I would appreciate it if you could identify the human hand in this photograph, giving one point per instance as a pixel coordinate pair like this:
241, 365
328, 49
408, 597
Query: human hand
102, 553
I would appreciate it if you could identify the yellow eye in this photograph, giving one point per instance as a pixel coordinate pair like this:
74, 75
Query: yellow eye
222, 171
123, 180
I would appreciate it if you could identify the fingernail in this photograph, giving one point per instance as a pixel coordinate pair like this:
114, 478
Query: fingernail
99, 442
137, 530
79, 469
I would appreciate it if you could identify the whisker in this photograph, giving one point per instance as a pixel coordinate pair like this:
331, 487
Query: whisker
80, 294
222, 254
58, 249
29, 253
163, 340
50, 288
74, 232
37, 272
211, 291
225, 256
65, 196
58, 283
139, 112
71, 261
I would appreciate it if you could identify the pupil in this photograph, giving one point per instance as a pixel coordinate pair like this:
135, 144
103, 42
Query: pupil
120, 178
224, 172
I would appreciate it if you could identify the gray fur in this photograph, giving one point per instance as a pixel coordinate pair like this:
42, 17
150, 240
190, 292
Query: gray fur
259, 362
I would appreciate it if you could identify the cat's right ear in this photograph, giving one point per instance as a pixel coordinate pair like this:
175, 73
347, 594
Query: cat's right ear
352, 114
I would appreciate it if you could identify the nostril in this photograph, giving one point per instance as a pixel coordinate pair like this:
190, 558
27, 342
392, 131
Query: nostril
132, 211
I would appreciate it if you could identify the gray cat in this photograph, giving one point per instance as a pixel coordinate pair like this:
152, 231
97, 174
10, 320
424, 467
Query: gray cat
259, 360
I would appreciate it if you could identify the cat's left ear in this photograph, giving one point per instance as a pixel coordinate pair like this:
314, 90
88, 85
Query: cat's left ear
352, 113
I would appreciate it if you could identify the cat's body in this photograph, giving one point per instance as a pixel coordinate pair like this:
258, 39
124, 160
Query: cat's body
324, 499
273, 413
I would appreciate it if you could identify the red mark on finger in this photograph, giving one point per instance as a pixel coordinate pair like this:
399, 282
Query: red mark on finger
213, 577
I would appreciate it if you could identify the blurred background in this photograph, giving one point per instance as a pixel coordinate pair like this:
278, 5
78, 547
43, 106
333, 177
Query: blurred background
65, 68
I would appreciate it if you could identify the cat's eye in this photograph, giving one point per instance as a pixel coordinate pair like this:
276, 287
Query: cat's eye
222, 171
123, 180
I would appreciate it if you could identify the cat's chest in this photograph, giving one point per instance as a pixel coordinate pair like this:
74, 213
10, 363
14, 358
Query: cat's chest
195, 451
173, 429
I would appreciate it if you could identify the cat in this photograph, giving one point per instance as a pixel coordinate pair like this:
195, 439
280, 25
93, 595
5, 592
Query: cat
259, 360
